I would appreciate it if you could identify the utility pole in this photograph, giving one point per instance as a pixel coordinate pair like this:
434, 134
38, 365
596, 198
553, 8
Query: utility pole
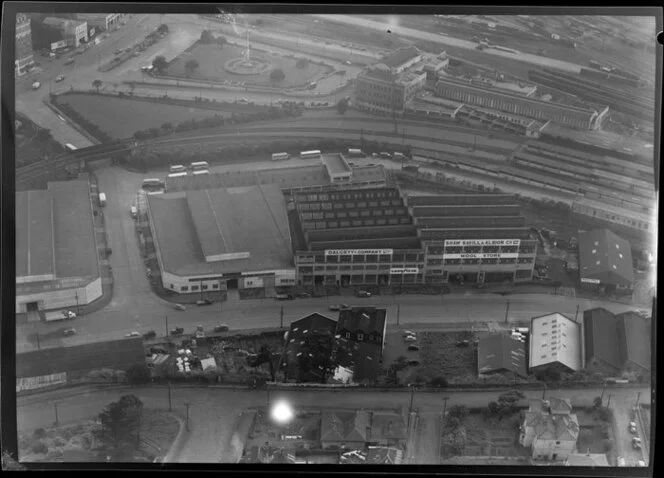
166, 318
55, 405
544, 391
410, 407
77, 311
170, 403
267, 389
138, 431
281, 318
577, 312
638, 397
398, 312
609, 402
38, 345
601, 398
187, 422
507, 310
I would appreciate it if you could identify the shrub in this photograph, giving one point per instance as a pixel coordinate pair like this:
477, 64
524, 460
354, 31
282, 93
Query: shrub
458, 411
39, 433
39, 447
454, 423
597, 402
138, 374
608, 445
604, 414
59, 441
438, 382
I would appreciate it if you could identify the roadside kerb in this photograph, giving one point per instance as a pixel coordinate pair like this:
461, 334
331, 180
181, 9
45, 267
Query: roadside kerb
176, 447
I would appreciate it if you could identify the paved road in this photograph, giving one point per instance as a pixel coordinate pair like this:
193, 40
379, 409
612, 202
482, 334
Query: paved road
451, 41
213, 412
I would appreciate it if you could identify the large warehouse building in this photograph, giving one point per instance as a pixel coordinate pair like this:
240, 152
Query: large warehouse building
375, 236
57, 263
214, 239
605, 262
472, 94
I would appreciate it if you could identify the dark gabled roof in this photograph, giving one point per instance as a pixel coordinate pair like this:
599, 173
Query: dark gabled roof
116, 354
379, 455
606, 257
501, 352
366, 320
363, 358
634, 339
600, 328
344, 426
313, 323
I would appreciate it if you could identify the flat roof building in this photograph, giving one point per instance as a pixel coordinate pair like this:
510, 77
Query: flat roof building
555, 344
338, 169
605, 260
207, 238
57, 264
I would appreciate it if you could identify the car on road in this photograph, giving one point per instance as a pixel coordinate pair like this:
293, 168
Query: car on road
221, 328
69, 61
285, 297
410, 338
413, 348
641, 463
644, 313
204, 302
180, 307
304, 295
362, 293
150, 335
621, 461
68, 332
632, 428
68, 314
59, 78
337, 307
463, 343
243, 100
133, 334
177, 331
409, 332
636, 443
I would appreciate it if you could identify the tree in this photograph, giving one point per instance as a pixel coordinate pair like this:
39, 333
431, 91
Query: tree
277, 75
453, 423
119, 429
160, 64
221, 41
597, 403
608, 445
132, 87
438, 382
459, 411
315, 361
265, 355
191, 65
302, 63
207, 37
342, 106
167, 127
163, 28
138, 374
96, 84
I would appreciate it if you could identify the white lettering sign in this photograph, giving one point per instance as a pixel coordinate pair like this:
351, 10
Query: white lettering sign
482, 242
406, 270
58, 44
482, 256
357, 252
590, 281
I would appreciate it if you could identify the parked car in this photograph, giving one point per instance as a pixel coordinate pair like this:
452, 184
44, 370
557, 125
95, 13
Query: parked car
336, 307
67, 332
59, 78
644, 313
70, 61
413, 363
150, 334
158, 350
285, 297
362, 293
204, 302
413, 348
463, 343
632, 428
641, 463
221, 328
304, 295
133, 334
177, 331
409, 332
636, 443
410, 338
180, 307
621, 461
68, 314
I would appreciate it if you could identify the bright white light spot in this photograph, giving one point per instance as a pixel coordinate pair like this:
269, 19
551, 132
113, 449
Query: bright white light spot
393, 21
282, 412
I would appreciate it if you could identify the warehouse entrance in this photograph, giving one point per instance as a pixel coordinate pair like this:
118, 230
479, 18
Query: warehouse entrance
231, 284
32, 309
318, 280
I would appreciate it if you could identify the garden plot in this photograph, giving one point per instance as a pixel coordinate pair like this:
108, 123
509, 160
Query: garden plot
492, 438
440, 356
302, 433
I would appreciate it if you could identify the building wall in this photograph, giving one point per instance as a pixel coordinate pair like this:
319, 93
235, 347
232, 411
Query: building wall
379, 95
546, 449
613, 217
215, 282
24, 56
33, 383
597, 365
515, 105
61, 298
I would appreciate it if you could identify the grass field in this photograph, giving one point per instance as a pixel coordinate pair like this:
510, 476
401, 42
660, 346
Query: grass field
121, 117
31, 146
211, 59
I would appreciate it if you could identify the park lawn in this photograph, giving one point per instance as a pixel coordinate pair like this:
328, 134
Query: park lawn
121, 117
211, 60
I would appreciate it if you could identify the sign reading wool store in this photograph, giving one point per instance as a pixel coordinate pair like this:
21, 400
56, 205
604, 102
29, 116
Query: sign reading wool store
482, 242
485, 255
358, 252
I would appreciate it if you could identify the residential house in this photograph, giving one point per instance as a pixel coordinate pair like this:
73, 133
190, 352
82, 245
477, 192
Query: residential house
550, 430
343, 429
387, 429
379, 455
360, 341
555, 344
501, 353
600, 337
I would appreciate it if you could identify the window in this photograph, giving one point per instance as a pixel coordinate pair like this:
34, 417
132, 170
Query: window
348, 335
360, 336
215, 286
194, 287
172, 287
184, 288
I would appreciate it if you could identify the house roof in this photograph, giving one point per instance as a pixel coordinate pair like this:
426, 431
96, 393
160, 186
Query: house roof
344, 426
379, 455
363, 358
366, 320
634, 335
501, 352
212, 231
554, 427
313, 323
600, 328
606, 257
387, 426
555, 338
116, 354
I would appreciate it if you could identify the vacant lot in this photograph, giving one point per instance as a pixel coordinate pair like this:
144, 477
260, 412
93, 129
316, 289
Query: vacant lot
440, 356
593, 433
497, 438
211, 60
121, 117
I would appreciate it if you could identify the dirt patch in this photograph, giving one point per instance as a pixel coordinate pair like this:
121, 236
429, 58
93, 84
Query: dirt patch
440, 356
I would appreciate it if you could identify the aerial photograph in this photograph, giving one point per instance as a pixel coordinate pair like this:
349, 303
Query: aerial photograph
339, 239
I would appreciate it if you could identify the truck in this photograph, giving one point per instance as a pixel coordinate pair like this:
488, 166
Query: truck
36, 85
102, 199
59, 315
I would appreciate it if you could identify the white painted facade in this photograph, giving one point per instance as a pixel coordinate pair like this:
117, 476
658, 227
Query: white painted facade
196, 284
52, 298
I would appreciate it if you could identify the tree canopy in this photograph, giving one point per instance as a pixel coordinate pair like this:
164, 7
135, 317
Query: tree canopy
160, 64
96, 84
120, 422
342, 106
277, 75
207, 36
191, 65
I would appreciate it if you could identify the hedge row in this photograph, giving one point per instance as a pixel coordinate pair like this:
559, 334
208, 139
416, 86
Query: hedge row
84, 123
